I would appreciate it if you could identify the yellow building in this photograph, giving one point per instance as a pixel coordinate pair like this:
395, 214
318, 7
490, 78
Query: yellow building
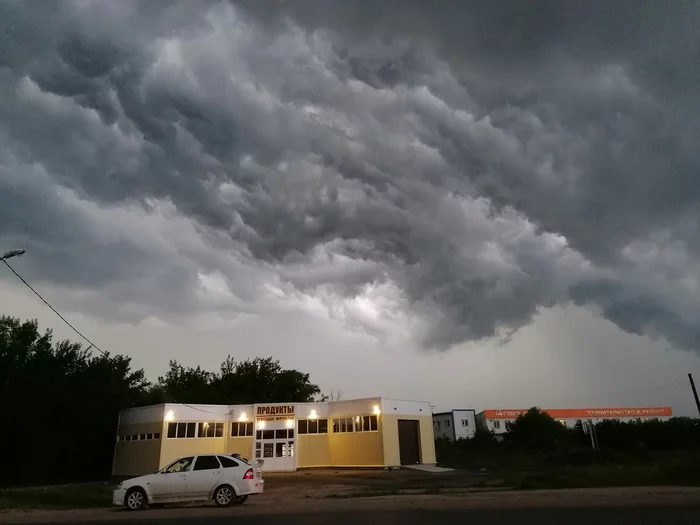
373, 432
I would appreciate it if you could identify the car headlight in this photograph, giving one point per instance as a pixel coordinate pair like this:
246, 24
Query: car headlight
121, 485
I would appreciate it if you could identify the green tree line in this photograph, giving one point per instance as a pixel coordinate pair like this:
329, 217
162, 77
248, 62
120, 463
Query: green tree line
59, 402
535, 439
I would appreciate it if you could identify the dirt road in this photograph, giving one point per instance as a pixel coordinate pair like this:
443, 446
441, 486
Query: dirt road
618, 506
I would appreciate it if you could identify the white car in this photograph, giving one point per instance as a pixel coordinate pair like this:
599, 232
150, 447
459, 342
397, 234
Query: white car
225, 479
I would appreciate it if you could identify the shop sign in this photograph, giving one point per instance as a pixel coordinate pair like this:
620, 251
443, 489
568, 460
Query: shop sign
274, 413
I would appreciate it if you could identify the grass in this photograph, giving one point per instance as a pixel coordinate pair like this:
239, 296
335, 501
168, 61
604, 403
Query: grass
598, 476
82, 495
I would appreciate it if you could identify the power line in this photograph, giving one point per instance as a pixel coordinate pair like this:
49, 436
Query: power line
92, 345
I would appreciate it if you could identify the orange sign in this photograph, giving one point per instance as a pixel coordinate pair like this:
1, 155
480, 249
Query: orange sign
585, 413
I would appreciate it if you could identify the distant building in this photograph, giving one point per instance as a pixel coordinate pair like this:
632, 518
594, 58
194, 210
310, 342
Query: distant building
455, 424
495, 420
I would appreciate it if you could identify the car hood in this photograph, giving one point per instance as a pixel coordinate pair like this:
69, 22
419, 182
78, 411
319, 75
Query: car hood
138, 480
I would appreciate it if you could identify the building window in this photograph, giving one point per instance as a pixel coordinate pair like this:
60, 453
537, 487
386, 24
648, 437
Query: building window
438, 424
465, 423
139, 437
210, 430
343, 424
447, 423
182, 430
284, 433
497, 425
312, 426
366, 424
355, 424
239, 429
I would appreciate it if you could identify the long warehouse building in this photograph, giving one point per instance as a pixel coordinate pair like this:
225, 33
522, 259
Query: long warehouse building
463, 423
373, 432
497, 419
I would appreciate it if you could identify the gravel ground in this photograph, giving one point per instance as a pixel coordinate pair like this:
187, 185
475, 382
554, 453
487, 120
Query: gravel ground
285, 502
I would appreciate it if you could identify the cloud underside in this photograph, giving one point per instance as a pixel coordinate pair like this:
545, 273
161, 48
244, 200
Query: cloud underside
418, 181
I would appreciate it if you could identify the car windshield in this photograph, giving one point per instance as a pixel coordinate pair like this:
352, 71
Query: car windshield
180, 465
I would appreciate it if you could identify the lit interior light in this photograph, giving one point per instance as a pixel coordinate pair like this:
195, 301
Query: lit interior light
313, 415
376, 410
243, 417
206, 424
170, 415
261, 424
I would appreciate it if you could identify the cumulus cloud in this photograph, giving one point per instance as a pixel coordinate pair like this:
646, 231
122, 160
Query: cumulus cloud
434, 174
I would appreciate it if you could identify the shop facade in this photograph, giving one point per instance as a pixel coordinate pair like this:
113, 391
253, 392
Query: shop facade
372, 432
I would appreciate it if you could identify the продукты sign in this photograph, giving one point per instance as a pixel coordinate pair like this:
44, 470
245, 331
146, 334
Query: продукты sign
274, 412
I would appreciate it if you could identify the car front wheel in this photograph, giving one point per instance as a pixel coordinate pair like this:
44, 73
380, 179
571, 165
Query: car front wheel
224, 496
135, 499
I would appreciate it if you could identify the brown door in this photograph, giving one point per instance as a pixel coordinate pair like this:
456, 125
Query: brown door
409, 451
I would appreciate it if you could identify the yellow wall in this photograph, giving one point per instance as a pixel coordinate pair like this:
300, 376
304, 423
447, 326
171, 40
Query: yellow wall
427, 440
240, 445
390, 431
313, 450
356, 449
176, 448
134, 458
390, 436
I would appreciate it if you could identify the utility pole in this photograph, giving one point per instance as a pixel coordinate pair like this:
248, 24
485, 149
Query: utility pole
695, 392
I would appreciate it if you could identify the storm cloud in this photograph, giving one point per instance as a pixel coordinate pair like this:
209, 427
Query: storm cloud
428, 170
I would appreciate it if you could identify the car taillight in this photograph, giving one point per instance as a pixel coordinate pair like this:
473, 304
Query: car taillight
249, 474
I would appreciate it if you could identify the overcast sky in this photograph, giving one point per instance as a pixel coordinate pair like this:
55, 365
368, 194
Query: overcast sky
483, 204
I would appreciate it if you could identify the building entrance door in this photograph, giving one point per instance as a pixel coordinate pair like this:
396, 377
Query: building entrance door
409, 449
274, 444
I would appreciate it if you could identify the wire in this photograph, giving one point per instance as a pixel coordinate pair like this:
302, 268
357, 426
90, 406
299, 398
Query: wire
93, 345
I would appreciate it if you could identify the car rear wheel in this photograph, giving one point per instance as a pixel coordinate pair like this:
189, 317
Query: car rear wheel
135, 499
240, 500
224, 496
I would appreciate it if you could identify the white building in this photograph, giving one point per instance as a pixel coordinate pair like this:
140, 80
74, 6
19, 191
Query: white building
455, 424
496, 420
371, 432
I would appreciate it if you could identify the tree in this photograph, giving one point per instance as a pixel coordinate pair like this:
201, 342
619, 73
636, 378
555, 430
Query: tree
59, 403
191, 385
257, 380
536, 429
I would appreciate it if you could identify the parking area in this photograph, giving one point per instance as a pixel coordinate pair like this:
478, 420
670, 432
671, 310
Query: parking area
330, 483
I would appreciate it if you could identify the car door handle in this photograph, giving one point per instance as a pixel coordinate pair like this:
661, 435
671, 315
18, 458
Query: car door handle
217, 472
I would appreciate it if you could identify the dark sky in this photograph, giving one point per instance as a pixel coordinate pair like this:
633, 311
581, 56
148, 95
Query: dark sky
456, 186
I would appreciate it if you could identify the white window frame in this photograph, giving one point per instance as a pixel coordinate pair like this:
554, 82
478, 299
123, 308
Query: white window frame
177, 427
213, 425
242, 425
355, 424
